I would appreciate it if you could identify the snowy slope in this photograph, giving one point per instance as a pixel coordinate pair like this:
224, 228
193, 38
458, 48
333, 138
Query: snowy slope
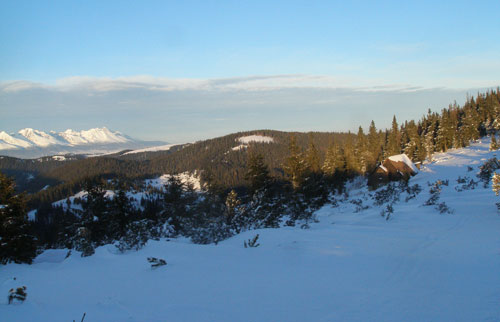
152, 149
246, 140
352, 265
255, 138
32, 143
39, 138
6, 139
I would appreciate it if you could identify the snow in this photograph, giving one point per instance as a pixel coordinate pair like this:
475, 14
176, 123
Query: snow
73, 137
245, 140
38, 138
240, 147
404, 158
29, 138
349, 266
7, 146
152, 149
12, 141
92, 136
192, 179
59, 157
255, 138
102, 135
34, 143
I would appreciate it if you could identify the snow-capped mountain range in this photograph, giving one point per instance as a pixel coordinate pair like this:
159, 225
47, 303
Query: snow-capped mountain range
33, 143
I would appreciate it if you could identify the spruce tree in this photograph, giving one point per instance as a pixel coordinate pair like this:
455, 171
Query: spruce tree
374, 147
393, 145
295, 165
16, 242
361, 151
257, 171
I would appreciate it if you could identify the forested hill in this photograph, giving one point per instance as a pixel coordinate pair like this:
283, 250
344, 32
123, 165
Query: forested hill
223, 160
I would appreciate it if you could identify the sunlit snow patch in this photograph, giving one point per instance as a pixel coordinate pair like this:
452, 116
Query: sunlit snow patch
255, 138
245, 140
152, 149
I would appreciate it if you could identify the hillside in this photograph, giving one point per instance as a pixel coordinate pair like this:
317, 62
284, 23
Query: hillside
224, 157
352, 264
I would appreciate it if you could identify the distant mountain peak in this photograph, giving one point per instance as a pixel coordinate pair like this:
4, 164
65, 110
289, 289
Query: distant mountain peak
34, 143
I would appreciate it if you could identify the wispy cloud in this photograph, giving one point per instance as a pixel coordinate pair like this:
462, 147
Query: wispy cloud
250, 83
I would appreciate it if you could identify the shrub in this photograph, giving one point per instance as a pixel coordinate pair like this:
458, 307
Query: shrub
19, 294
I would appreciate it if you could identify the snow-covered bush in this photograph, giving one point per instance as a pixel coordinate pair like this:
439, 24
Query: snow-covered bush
387, 211
487, 169
139, 232
209, 233
388, 194
496, 183
444, 209
412, 191
466, 184
435, 193
359, 205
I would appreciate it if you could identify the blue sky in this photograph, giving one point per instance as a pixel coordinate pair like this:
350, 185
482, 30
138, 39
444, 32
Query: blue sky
67, 51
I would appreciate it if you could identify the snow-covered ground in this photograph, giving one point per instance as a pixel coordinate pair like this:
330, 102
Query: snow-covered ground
152, 149
246, 140
255, 138
352, 265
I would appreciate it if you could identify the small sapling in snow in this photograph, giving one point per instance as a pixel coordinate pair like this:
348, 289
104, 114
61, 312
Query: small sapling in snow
444, 209
252, 242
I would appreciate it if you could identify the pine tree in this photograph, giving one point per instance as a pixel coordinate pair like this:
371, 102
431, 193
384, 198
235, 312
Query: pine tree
351, 161
470, 125
429, 140
232, 204
312, 157
362, 151
16, 242
393, 145
295, 166
493, 144
374, 147
257, 172
121, 213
